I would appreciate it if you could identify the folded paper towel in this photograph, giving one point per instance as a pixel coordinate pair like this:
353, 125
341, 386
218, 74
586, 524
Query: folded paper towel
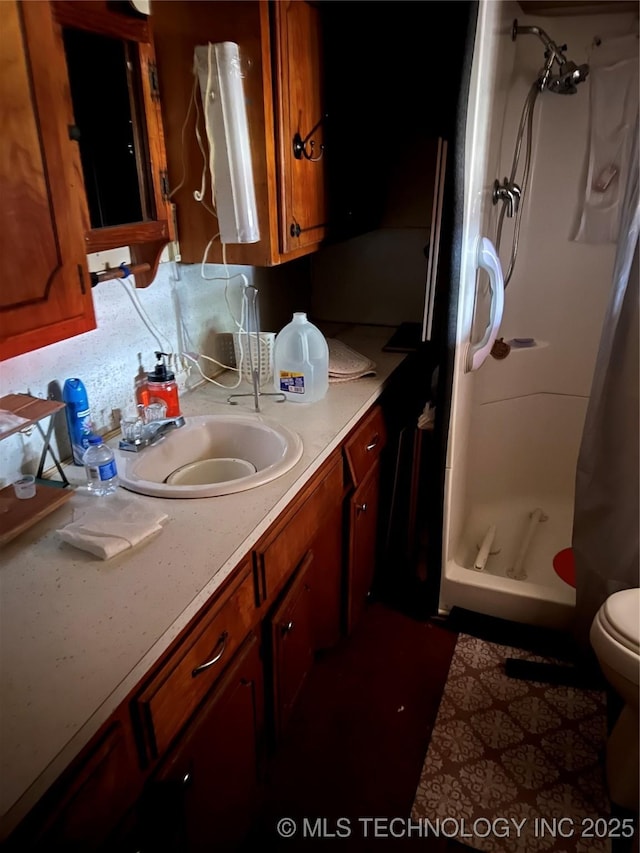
111, 525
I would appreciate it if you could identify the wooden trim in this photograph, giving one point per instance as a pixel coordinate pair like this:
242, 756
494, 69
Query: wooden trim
154, 137
97, 18
101, 239
147, 253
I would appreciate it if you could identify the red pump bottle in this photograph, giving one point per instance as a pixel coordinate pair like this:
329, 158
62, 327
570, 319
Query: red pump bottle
160, 386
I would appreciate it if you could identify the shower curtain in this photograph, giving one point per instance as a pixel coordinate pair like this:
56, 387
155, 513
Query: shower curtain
606, 515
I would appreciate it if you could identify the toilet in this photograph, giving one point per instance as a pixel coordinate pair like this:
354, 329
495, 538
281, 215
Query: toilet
615, 639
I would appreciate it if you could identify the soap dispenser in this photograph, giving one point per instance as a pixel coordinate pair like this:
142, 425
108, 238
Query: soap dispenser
162, 386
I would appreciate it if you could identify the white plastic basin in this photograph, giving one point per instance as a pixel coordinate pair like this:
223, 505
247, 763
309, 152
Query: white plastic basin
262, 450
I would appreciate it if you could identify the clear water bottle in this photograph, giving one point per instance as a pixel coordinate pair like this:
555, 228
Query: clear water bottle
100, 467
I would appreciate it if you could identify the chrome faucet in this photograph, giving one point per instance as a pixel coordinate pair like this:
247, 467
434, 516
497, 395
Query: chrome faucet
151, 433
508, 192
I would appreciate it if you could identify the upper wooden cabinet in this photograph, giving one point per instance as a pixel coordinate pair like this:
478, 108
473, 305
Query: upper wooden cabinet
113, 106
280, 47
46, 292
82, 135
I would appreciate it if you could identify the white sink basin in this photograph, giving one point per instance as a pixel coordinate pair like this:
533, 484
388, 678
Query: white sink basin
251, 450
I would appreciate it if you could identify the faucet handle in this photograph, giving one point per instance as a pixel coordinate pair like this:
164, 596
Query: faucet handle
508, 192
516, 193
154, 411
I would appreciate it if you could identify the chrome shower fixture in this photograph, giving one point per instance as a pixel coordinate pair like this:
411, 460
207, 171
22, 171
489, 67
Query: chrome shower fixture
568, 74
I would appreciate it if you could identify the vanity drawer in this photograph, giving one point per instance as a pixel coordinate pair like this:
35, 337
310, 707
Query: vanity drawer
277, 558
176, 690
363, 448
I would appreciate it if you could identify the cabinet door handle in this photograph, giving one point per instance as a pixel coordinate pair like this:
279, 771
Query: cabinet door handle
361, 507
286, 629
221, 644
374, 443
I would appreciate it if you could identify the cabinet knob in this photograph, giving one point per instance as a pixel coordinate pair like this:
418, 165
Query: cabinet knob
286, 629
361, 507
74, 132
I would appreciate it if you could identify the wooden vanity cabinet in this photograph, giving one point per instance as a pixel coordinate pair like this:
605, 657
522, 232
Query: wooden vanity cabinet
203, 794
363, 542
280, 45
299, 568
325, 577
178, 766
291, 631
362, 451
172, 694
314, 524
82, 810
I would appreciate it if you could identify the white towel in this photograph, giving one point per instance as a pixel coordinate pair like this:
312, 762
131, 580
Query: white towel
346, 364
110, 525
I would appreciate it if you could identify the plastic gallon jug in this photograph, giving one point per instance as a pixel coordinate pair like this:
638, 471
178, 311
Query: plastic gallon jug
301, 361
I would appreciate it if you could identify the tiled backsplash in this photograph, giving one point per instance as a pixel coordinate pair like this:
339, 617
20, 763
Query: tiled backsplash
188, 312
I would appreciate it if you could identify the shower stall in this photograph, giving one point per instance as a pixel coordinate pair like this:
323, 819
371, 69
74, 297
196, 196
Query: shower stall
512, 420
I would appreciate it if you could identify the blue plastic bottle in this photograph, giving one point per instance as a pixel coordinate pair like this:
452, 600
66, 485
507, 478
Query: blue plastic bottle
78, 415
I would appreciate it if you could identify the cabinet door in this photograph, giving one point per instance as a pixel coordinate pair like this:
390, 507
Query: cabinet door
326, 581
363, 530
46, 294
301, 119
82, 810
111, 71
203, 796
292, 644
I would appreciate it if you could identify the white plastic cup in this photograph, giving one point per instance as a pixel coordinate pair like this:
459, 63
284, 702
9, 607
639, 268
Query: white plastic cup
25, 487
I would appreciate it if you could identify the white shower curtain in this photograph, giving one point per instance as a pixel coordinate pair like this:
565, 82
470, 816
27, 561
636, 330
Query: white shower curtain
613, 101
606, 517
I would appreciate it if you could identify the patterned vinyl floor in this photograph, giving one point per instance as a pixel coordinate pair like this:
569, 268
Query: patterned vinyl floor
515, 765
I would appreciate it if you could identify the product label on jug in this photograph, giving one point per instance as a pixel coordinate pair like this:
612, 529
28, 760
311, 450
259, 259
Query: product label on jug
293, 383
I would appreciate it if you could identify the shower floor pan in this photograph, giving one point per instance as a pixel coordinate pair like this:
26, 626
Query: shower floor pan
538, 596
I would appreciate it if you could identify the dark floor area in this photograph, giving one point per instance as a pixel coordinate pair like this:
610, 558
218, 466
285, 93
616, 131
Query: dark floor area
357, 740
355, 745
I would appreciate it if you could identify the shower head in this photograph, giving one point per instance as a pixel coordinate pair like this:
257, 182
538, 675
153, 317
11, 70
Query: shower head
567, 78
568, 75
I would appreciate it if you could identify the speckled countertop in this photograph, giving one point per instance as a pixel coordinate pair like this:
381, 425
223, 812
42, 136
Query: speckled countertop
78, 633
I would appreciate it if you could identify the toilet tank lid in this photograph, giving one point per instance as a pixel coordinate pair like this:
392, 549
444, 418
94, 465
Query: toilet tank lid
622, 610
